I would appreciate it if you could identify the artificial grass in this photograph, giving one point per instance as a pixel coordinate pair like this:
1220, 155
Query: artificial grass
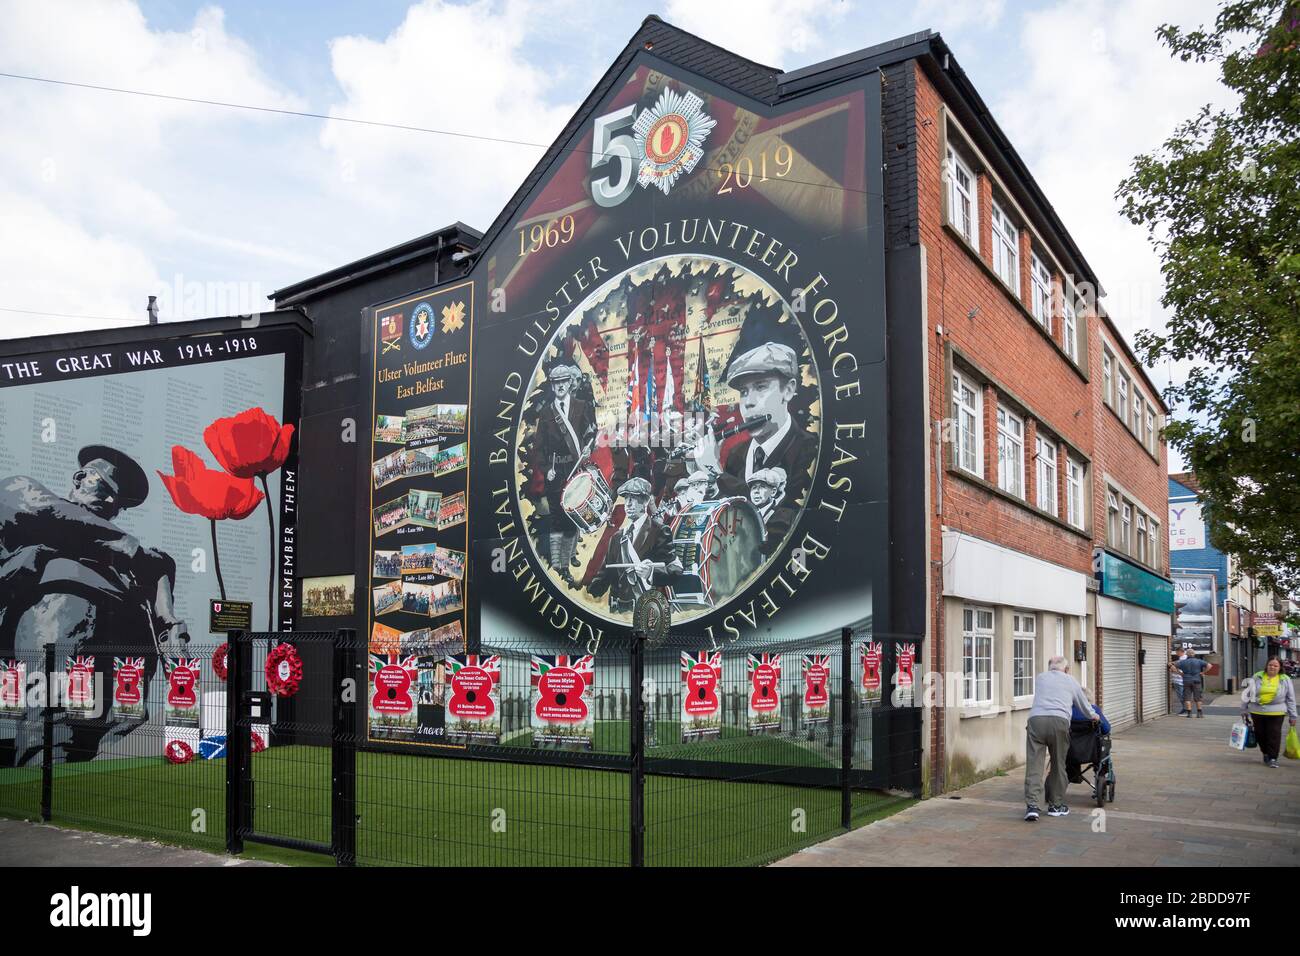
444, 811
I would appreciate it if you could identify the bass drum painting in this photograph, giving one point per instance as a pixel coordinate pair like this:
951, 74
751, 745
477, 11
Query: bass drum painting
718, 543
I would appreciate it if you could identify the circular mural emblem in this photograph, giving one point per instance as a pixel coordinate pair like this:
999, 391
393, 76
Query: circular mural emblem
422, 325
669, 438
666, 139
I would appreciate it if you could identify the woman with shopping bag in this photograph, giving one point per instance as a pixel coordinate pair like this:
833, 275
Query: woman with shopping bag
1266, 698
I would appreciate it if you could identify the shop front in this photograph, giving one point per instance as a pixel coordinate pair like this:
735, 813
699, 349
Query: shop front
1134, 620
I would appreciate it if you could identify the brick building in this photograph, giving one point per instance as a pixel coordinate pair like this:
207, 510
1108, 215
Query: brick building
1045, 470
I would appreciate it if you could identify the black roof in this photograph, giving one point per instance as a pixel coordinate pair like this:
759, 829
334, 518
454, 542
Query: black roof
771, 86
457, 235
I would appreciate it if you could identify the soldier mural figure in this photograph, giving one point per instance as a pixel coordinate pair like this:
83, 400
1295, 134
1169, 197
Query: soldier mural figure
71, 577
641, 556
766, 379
566, 430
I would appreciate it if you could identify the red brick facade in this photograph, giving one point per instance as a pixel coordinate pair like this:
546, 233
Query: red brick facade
981, 327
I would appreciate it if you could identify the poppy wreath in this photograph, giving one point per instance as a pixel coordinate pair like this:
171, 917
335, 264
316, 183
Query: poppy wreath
219, 660
258, 743
178, 751
283, 684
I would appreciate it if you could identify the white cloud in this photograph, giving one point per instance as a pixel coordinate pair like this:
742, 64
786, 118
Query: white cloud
947, 16
446, 67
1098, 89
99, 184
770, 32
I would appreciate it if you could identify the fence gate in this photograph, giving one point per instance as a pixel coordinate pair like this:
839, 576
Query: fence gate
291, 742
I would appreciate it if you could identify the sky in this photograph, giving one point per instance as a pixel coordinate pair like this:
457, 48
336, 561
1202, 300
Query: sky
107, 198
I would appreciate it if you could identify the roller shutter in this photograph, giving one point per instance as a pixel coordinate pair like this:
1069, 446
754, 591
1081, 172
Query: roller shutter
1155, 677
1119, 678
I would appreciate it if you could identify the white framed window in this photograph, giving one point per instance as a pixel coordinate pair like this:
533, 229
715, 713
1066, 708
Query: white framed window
1045, 456
1006, 250
1011, 452
963, 199
1123, 398
977, 655
1153, 544
1152, 437
1070, 327
1073, 492
1139, 404
1112, 519
1107, 378
1024, 635
1126, 528
1060, 637
1142, 539
968, 425
1040, 291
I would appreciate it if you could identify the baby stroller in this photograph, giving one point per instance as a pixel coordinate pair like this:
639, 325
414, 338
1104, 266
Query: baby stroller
1089, 756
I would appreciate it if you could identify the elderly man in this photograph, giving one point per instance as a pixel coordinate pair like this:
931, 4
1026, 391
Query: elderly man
1056, 693
766, 492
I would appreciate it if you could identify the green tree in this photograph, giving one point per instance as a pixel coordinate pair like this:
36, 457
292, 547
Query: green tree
1221, 203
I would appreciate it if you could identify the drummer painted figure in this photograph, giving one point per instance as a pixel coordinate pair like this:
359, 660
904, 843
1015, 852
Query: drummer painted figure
766, 379
690, 491
566, 430
640, 557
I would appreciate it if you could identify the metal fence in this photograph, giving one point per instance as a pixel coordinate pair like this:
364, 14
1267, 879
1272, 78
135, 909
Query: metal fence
685, 754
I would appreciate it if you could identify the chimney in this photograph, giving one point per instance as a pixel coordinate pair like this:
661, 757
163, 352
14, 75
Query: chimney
153, 310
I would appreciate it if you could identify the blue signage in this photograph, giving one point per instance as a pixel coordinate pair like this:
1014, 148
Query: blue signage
1125, 581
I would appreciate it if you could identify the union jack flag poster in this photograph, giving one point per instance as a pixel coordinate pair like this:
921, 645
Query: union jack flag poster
474, 699
13, 686
560, 708
394, 688
182, 697
79, 690
871, 653
815, 700
128, 687
763, 714
701, 695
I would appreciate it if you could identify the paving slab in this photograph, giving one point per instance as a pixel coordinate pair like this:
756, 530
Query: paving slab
1183, 798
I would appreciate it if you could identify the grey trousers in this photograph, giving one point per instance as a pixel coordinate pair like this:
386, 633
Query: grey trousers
1043, 736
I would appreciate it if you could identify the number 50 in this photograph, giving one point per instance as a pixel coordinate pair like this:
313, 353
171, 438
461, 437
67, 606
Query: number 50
611, 156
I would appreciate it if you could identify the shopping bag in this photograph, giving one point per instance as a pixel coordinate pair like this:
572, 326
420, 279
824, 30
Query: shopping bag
1237, 739
1293, 744
1251, 744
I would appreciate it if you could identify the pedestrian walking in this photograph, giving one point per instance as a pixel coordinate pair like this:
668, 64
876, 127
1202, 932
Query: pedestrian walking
1192, 668
1266, 698
1176, 680
1047, 732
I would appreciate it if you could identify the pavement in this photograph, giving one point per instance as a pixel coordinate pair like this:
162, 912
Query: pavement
40, 844
1183, 798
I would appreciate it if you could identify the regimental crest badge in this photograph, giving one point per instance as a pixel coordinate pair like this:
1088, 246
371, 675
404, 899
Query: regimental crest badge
670, 138
422, 325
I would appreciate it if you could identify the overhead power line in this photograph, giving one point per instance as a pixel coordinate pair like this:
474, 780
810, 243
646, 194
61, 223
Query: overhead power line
460, 134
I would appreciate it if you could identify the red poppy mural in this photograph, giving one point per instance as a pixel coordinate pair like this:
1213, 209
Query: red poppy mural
253, 444
249, 445
197, 489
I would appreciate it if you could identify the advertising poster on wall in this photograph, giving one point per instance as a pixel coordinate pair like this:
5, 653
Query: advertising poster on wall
1196, 622
701, 696
685, 388
1186, 526
130, 474
763, 710
474, 701
561, 712
815, 701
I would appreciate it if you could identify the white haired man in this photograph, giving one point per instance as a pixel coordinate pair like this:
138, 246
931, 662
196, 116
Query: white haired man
1047, 732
